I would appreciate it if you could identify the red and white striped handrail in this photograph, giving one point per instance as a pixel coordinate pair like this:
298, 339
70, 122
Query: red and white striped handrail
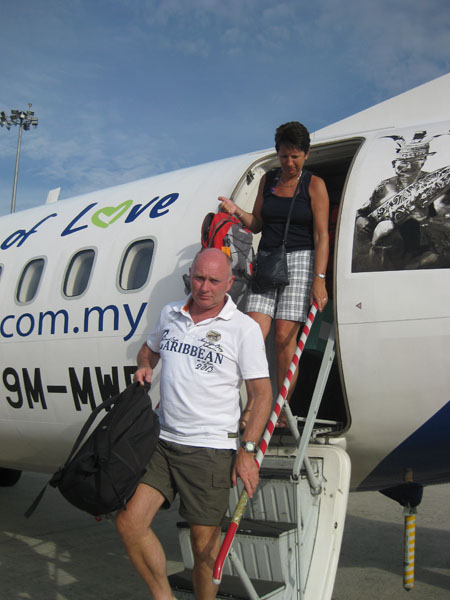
240, 507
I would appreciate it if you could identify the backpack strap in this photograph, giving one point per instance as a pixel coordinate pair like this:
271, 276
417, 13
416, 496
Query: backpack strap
103, 406
224, 220
30, 510
206, 226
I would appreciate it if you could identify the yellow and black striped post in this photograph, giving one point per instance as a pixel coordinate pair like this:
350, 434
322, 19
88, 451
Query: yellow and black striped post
409, 547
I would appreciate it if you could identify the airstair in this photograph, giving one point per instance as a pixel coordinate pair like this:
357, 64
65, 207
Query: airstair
289, 534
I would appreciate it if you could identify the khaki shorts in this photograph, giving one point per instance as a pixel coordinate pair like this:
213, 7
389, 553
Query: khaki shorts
201, 476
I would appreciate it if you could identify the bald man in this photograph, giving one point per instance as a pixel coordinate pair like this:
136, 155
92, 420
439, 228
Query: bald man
207, 349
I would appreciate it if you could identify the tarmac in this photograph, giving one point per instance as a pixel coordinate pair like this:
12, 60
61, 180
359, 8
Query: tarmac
61, 553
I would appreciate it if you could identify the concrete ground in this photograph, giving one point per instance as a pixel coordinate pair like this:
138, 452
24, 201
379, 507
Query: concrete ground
371, 561
61, 553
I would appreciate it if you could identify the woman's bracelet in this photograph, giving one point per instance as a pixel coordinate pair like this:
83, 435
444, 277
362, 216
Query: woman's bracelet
321, 275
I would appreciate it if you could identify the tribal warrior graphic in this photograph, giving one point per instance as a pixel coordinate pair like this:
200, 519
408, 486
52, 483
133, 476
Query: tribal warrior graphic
406, 222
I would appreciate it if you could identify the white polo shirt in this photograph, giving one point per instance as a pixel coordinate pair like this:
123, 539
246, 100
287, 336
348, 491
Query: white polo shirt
203, 367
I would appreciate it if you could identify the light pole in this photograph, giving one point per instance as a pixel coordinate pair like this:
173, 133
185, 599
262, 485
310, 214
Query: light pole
24, 120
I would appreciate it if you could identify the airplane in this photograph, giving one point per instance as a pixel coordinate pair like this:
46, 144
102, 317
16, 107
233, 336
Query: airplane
83, 281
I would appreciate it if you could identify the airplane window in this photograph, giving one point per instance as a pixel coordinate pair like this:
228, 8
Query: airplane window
78, 273
136, 265
29, 280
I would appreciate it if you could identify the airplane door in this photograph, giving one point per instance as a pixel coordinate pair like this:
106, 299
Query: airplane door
392, 291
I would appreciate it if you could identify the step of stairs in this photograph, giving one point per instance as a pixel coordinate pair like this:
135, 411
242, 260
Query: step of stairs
230, 587
265, 549
275, 498
281, 518
266, 542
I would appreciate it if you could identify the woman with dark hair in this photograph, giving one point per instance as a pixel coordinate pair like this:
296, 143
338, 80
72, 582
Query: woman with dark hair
307, 244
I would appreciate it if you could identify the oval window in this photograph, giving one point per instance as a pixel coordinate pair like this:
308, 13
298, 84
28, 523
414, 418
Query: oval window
29, 280
135, 266
78, 273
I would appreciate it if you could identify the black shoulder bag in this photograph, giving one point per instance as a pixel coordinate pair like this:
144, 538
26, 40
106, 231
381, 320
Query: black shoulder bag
270, 269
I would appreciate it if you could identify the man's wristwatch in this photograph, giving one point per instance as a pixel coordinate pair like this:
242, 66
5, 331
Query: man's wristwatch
249, 447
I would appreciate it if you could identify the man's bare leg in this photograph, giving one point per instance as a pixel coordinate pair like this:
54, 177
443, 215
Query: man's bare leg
142, 545
205, 542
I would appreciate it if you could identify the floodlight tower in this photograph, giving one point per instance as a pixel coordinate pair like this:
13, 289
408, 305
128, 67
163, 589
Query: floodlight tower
24, 120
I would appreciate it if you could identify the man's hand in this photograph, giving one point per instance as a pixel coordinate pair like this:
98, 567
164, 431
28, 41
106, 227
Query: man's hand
246, 468
147, 361
143, 375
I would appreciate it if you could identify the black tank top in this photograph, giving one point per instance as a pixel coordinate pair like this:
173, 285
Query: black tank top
274, 214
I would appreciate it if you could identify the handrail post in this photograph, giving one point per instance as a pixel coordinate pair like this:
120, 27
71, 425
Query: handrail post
322, 378
246, 581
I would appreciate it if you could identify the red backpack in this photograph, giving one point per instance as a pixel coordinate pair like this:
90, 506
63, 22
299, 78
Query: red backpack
226, 232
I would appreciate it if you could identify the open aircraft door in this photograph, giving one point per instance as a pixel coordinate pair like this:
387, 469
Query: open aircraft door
391, 307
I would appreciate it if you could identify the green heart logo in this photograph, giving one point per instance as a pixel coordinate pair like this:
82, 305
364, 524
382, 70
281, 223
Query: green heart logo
109, 215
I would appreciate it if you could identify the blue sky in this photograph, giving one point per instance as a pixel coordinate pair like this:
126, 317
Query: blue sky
125, 89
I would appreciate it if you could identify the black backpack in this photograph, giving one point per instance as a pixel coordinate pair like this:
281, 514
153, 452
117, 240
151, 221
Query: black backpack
102, 474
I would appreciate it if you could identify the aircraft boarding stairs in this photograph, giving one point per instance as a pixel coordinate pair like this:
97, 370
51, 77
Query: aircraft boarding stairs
287, 545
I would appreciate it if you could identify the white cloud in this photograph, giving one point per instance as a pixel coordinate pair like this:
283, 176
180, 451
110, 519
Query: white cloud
392, 44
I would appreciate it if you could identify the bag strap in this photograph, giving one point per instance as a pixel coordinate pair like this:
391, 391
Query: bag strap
225, 220
206, 226
103, 406
283, 243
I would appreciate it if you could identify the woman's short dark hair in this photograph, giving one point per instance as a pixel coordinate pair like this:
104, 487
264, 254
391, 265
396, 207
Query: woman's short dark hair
292, 135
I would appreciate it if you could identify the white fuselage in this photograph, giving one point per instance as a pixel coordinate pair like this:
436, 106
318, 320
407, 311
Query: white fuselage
60, 353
